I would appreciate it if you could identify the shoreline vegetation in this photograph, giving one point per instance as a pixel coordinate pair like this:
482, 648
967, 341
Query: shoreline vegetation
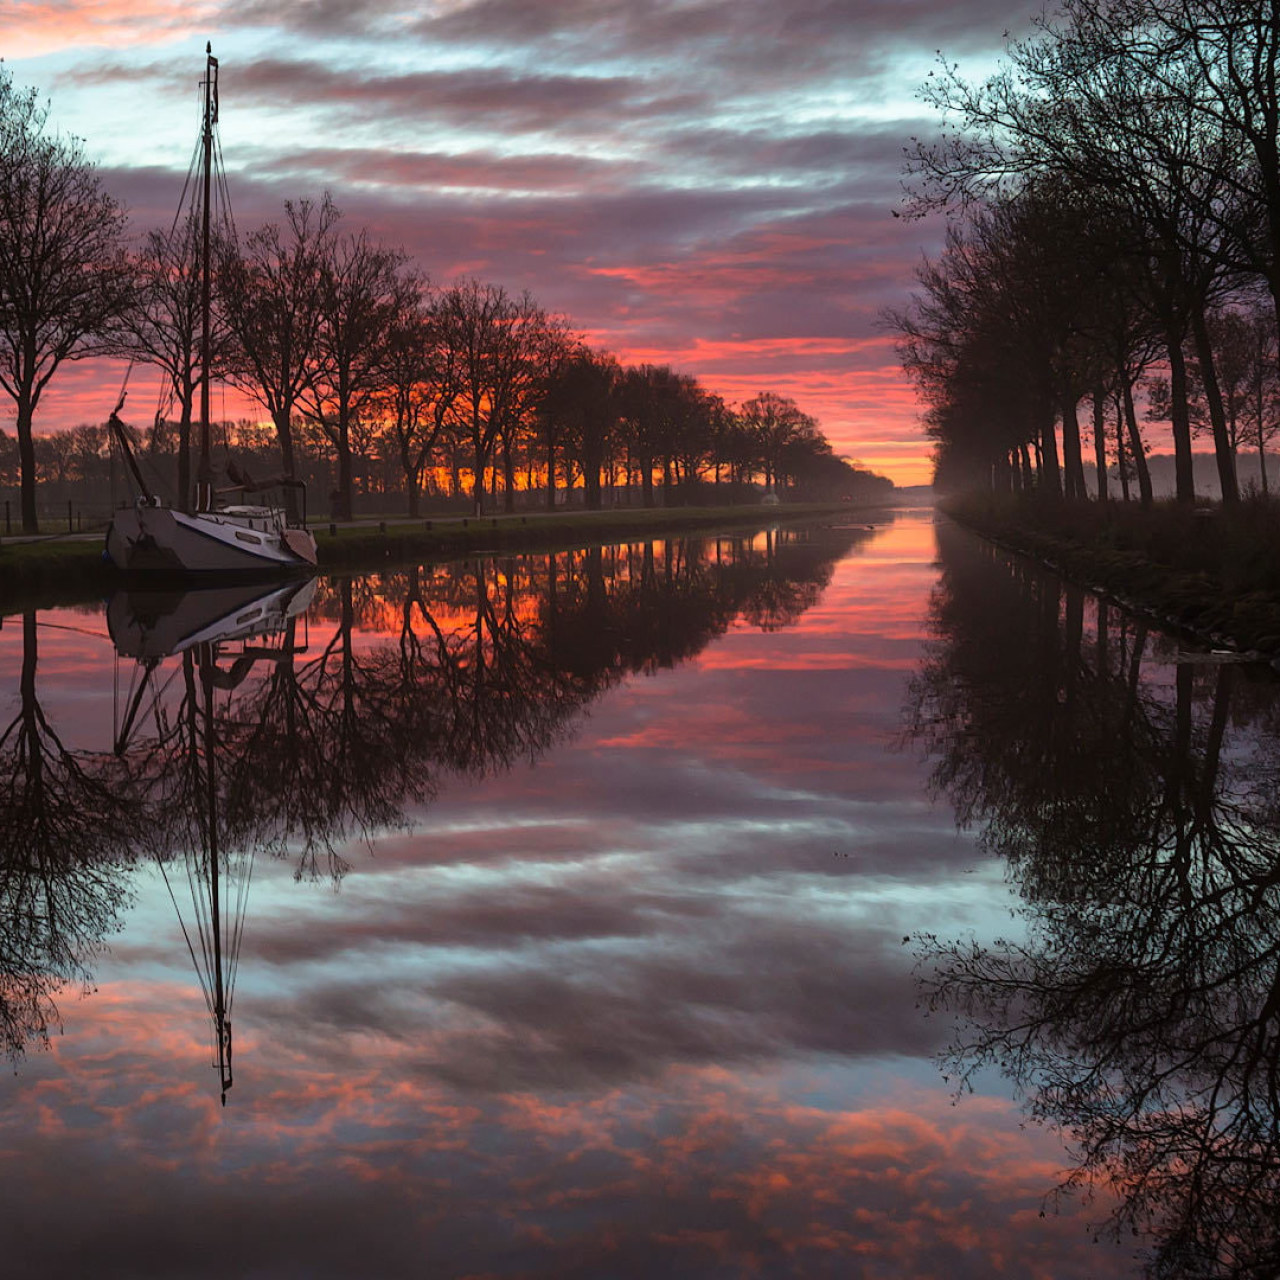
1210, 573
70, 571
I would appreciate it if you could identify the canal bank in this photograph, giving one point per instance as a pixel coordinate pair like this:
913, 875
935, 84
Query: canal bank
1208, 573
72, 568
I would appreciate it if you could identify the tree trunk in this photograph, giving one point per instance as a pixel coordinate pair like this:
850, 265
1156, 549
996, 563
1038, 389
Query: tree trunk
27, 463
1223, 452
1100, 441
184, 457
345, 505
1181, 419
477, 474
1072, 457
1135, 444
1121, 464
1050, 473
592, 462
508, 477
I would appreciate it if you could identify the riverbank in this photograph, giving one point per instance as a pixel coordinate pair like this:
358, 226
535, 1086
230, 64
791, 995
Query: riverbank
1209, 573
66, 570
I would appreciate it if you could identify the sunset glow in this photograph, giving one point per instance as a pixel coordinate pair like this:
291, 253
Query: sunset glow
701, 184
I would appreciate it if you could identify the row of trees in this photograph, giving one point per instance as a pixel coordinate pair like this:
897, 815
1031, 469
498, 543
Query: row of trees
351, 352
1115, 192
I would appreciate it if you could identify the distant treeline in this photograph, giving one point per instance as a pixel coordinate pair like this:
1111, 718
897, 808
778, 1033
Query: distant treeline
373, 380
1114, 192
78, 471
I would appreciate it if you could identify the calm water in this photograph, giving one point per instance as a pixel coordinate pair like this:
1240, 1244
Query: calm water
608, 915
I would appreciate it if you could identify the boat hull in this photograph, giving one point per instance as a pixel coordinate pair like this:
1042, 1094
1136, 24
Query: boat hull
147, 539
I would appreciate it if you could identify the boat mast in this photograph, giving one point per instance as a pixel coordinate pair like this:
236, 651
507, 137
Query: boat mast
204, 481
221, 1019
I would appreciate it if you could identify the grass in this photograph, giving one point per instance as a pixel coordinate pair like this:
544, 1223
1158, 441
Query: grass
1209, 571
64, 571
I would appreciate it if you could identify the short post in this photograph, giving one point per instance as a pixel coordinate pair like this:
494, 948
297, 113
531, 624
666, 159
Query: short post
428, 526
71, 523
333, 529
382, 526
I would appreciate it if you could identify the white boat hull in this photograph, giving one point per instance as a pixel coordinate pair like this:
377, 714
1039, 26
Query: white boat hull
154, 624
159, 539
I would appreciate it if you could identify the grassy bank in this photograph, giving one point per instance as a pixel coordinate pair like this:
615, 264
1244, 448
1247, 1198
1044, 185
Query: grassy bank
57, 570
1209, 572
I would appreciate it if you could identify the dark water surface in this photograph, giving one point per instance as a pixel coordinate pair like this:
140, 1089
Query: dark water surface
606, 914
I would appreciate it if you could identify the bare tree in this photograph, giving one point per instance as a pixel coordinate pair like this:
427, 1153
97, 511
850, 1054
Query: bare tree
162, 326
498, 342
63, 272
362, 290
579, 416
776, 422
271, 296
421, 386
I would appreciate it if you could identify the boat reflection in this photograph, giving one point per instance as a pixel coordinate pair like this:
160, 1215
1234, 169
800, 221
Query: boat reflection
1133, 792
218, 634
148, 624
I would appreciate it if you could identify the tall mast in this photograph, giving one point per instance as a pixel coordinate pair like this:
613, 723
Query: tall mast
204, 484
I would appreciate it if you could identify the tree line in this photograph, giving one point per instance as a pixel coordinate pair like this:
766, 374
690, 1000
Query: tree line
1114, 237
370, 375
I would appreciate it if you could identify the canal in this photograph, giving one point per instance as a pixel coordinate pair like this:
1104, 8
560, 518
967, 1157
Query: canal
852, 900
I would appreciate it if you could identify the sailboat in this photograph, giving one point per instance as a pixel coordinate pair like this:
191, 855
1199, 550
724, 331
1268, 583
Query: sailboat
217, 537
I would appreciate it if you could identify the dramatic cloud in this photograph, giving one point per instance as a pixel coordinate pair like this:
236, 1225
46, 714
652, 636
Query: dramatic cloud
690, 181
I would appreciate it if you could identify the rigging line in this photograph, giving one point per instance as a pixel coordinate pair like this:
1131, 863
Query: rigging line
204, 971
191, 168
237, 936
66, 626
157, 694
186, 936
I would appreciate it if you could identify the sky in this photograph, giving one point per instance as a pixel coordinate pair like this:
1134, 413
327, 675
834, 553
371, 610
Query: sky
705, 183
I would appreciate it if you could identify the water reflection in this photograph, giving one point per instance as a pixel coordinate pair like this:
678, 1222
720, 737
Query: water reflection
68, 831
288, 721
1136, 799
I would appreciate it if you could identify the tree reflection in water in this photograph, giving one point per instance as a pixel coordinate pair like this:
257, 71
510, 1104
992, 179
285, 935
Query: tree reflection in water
1138, 809
299, 737
67, 834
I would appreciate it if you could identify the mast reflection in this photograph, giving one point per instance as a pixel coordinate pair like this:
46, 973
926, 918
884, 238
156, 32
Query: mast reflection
218, 634
1134, 795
